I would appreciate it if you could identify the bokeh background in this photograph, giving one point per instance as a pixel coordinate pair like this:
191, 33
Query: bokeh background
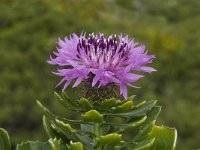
29, 30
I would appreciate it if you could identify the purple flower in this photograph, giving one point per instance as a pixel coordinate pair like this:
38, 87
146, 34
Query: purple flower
109, 59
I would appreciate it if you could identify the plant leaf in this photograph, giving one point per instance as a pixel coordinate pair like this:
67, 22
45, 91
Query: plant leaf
76, 146
137, 112
125, 107
108, 103
37, 145
165, 138
92, 116
4, 140
111, 140
85, 103
58, 145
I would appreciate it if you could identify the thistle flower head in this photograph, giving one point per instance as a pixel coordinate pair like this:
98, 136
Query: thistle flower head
106, 60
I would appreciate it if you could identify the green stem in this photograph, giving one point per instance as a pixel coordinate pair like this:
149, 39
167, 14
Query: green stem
98, 132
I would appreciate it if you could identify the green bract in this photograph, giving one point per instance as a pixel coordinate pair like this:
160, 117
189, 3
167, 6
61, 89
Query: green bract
104, 125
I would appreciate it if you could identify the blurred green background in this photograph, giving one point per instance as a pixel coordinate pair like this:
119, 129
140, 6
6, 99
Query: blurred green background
29, 30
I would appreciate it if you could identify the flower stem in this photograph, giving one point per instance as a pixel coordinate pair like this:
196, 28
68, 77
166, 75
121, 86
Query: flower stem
98, 133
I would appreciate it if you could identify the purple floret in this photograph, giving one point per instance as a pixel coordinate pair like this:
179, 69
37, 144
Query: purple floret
110, 60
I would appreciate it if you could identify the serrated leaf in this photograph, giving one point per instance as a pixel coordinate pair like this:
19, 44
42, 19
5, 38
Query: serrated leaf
93, 116
4, 140
165, 138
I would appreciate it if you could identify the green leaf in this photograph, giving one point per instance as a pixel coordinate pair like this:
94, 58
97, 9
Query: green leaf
87, 128
131, 98
76, 146
66, 127
105, 129
71, 134
4, 140
153, 114
85, 138
109, 103
60, 99
110, 140
51, 116
141, 104
131, 125
144, 144
58, 145
85, 103
67, 100
68, 103
52, 132
138, 123
37, 145
150, 121
46, 112
93, 116
52, 144
137, 112
165, 138
48, 128
125, 107
62, 134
